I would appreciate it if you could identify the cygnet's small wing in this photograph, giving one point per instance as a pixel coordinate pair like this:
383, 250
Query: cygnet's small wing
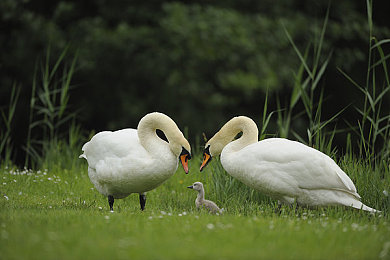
210, 205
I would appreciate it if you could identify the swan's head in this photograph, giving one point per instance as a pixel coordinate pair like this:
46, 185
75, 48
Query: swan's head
185, 155
227, 134
214, 147
196, 186
211, 150
182, 149
178, 144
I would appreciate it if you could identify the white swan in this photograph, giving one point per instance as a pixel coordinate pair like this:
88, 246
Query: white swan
201, 201
135, 160
286, 170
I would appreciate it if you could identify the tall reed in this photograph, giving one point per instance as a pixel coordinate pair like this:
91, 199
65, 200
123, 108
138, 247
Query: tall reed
373, 127
6, 146
50, 120
306, 82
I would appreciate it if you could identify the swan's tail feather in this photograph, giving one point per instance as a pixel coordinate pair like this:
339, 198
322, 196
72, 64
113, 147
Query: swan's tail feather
83, 155
359, 205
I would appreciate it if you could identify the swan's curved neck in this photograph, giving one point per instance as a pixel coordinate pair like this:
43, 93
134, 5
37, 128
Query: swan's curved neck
229, 131
148, 137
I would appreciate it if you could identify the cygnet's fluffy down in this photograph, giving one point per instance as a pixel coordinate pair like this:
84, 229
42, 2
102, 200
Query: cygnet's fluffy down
201, 202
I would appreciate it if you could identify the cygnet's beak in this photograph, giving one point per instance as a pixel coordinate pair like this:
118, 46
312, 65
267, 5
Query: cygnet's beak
184, 157
206, 157
190, 187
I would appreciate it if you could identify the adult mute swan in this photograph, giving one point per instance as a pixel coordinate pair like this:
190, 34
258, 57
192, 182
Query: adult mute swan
286, 170
135, 160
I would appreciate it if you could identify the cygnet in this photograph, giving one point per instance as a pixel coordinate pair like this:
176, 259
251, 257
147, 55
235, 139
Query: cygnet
201, 202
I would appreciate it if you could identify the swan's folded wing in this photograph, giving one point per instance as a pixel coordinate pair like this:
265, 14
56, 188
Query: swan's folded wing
298, 164
109, 145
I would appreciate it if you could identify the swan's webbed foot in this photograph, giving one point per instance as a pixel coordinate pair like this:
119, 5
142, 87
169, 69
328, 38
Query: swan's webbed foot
142, 201
111, 202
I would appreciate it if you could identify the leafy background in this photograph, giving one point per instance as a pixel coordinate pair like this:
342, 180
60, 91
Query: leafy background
197, 61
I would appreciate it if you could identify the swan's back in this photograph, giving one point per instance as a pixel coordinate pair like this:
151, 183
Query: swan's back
285, 167
117, 144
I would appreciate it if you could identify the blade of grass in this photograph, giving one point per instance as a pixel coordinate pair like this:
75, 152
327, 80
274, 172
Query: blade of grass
303, 61
321, 40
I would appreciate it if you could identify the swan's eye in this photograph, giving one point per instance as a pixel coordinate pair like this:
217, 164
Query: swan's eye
206, 153
186, 153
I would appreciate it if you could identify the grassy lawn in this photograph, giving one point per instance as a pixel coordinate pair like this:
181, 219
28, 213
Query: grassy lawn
58, 214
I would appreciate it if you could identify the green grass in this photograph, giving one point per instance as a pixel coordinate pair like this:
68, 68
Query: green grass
58, 214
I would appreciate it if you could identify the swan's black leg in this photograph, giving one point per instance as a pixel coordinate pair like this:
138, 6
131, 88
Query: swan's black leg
278, 210
142, 200
111, 202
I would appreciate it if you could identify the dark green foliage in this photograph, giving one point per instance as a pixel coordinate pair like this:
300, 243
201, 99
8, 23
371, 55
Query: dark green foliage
174, 57
199, 63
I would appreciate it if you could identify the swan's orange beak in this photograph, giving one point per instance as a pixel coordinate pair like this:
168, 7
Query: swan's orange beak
184, 157
184, 162
206, 158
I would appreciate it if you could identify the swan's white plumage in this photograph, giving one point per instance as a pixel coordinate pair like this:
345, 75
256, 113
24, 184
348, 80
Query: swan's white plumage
286, 170
118, 164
